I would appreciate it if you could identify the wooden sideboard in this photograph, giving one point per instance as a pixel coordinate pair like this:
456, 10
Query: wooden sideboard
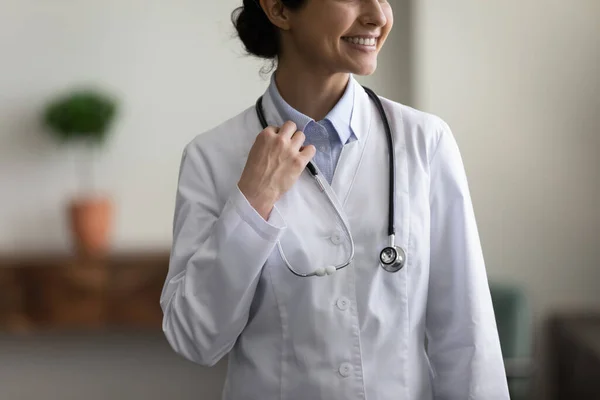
63, 292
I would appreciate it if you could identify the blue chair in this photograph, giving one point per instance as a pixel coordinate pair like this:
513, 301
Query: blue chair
513, 319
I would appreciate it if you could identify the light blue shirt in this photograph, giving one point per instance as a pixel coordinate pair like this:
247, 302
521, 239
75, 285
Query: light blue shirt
328, 135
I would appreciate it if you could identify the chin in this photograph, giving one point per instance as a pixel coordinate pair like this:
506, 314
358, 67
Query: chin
365, 69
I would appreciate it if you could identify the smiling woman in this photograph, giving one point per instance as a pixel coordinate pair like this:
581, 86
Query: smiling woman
348, 320
299, 30
307, 39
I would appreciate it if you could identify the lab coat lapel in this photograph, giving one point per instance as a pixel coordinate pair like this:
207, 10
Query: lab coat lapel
367, 204
310, 220
352, 153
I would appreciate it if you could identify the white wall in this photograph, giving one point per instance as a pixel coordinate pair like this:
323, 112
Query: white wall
178, 69
519, 83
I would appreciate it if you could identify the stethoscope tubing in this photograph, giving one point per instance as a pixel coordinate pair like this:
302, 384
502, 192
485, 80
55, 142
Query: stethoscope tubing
313, 170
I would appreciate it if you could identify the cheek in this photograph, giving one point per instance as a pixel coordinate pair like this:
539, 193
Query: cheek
389, 16
331, 26
385, 30
323, 39
318, 43
325, 42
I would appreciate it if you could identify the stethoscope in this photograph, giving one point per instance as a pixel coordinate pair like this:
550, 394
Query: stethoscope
392, 258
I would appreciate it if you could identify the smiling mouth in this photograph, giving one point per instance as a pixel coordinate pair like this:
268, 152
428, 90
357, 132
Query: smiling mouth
361, 41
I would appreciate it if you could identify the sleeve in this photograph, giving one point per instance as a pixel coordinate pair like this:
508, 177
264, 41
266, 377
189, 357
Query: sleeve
215, 264
463, 343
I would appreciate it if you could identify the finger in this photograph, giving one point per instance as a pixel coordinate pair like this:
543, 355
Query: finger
308, 152
298, 139
272, 129
287, 129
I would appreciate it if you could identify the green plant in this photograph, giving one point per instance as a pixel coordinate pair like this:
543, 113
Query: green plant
82, 115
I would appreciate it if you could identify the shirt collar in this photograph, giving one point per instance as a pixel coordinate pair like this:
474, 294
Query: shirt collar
340, 115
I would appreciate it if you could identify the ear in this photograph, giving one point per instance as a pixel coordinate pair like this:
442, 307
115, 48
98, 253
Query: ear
277, 13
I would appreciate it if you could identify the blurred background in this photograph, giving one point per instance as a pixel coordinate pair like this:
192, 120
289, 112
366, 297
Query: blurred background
517, 81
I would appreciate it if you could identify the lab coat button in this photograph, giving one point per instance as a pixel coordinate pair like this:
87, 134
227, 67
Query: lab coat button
345, 369
336, 238
343, 303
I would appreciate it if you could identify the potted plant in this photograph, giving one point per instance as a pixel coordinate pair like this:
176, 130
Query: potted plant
85, 116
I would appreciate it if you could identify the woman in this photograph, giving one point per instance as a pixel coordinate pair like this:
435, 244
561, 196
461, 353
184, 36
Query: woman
248, 213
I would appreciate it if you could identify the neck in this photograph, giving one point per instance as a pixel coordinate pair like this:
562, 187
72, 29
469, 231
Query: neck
309, 92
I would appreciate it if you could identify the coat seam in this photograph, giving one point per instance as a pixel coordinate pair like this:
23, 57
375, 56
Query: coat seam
281, 352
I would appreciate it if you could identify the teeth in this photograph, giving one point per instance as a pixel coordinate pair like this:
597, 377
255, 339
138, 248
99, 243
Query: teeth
362, 41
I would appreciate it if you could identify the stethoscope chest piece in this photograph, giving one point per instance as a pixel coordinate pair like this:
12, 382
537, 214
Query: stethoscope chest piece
392, 258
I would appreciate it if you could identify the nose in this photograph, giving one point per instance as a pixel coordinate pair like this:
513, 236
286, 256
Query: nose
372, 13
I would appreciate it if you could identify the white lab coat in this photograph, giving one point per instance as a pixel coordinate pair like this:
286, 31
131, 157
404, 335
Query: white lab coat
360, 333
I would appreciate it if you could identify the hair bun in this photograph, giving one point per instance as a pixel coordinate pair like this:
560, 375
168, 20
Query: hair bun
257, 33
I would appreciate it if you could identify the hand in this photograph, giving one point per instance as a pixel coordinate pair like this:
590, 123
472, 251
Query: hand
274, 164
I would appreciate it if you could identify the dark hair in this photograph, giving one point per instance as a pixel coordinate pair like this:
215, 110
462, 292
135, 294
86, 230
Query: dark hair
259, 36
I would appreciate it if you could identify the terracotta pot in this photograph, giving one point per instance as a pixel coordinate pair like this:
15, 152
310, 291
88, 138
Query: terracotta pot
91, 222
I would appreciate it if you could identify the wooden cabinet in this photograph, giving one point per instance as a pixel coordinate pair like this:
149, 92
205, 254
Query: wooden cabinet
575, 355
69, 293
